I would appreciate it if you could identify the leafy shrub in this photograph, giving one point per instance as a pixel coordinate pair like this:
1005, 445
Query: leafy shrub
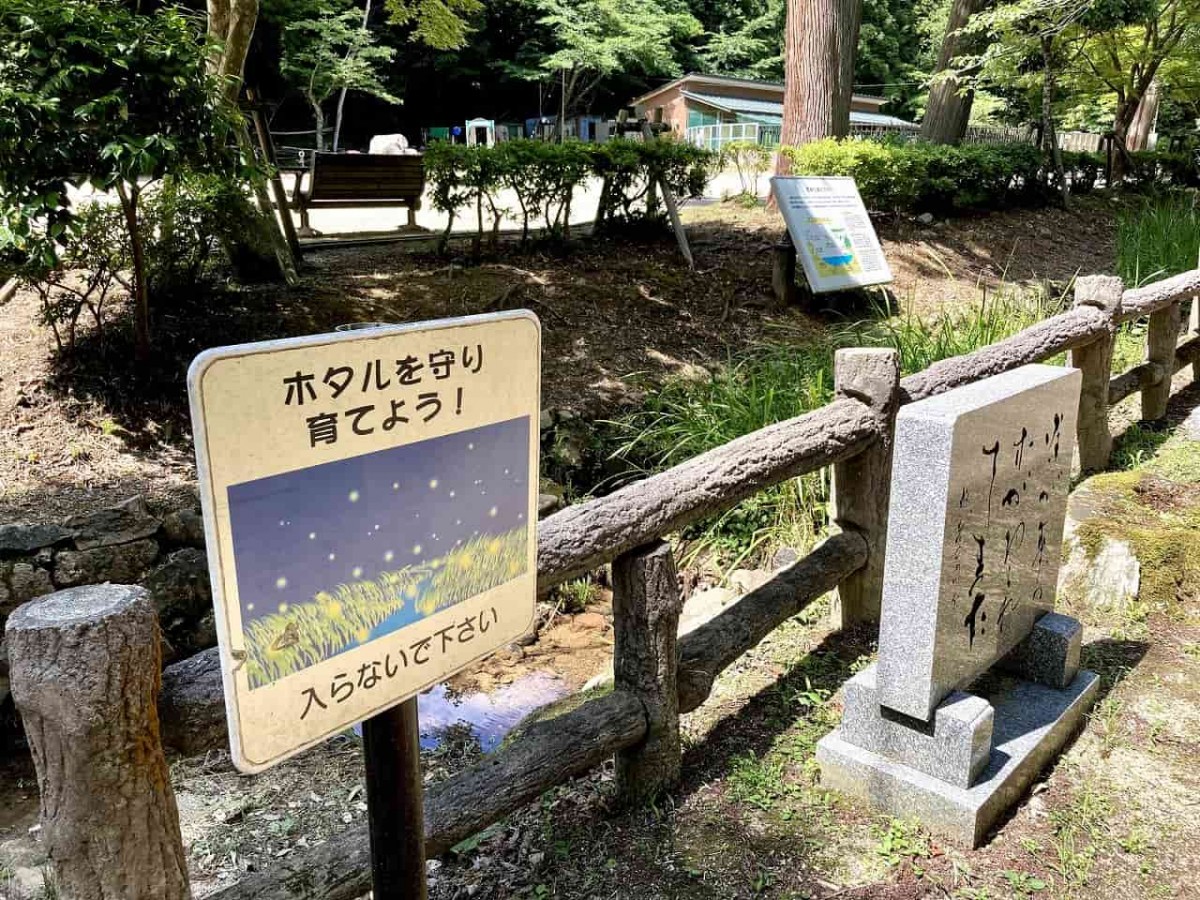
749, 159
188, 222
925, 177
93, 259
919, 177
544, 176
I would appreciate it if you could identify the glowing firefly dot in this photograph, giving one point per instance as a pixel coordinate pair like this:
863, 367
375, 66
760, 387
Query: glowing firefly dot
249, 607
389, 556
281, 582
470, 446
376, 527
433, 484
283, 607
356, 571
507, 472
354, 495
435, 537
458, 521
416, 549
395, 485
312, 535
452, 493
332, 557
520, 515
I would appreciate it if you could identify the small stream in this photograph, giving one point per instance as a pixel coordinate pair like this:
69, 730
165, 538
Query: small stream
489, 714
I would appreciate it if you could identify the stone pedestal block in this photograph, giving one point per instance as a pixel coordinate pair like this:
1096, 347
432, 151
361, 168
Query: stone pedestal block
1032, 724
954, 747
1050, 655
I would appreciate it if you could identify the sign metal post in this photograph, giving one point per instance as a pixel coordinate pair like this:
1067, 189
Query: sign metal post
395, 803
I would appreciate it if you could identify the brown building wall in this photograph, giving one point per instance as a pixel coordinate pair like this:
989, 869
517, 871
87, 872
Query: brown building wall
675, 106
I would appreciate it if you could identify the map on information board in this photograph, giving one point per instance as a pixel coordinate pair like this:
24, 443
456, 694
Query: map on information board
832, 233
370, 503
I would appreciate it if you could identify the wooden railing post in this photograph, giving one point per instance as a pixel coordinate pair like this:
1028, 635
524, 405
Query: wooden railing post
1194, 329
646, 607
86, 668
1161, 339
1094, 360
862, 484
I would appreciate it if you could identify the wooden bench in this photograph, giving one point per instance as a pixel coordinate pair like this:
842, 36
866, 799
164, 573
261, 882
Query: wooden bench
361, 179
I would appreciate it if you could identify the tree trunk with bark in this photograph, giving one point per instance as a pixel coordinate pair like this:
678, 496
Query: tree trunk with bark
319, 120
129, 195
341, 102
820, 46
1053, 153
1144, 116
949, 108
231, 23
85, 669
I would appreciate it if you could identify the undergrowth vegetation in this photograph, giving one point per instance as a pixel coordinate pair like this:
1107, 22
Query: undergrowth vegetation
778, 381
1158, 237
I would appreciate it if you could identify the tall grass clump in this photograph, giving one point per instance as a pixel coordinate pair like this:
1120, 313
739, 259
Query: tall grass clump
1159, 237
778, 381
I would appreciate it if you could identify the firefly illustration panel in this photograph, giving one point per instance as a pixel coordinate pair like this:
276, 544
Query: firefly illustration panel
334, 556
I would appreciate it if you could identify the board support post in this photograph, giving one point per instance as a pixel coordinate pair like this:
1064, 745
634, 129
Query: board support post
395, 803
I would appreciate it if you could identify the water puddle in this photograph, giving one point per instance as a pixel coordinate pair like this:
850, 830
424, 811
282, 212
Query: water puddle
490, 715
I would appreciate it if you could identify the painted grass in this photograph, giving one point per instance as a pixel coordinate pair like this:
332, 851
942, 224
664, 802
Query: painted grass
284, 643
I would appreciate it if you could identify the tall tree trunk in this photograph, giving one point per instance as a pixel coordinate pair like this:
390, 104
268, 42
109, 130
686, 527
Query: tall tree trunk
231, 23
949, 106
820, 46
319, 120
1144, 117
341, 103
1054, 160
129, 195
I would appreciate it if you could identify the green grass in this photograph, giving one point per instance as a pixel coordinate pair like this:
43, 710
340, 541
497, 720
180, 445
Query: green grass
304, 634
778, 381
1158, 238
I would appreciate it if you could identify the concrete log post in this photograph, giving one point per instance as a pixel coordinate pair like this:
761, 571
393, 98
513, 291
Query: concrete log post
1194, 329
1094, 360
86, 665
646, 607
862, 484
1161, 339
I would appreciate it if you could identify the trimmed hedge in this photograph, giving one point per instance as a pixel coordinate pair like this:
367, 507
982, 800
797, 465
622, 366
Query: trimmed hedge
543, 177
936, 178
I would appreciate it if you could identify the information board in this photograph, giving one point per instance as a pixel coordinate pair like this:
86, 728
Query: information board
832, 233
370, 503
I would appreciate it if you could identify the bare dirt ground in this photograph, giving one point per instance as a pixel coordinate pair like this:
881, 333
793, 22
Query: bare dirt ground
94, 427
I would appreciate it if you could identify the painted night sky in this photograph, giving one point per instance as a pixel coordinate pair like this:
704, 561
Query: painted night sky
307, 531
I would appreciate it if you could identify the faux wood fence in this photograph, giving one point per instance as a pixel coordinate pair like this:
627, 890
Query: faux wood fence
657, 678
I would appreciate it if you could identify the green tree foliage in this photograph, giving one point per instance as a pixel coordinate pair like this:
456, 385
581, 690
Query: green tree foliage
441, 24
593, 39
330, 50
92, 92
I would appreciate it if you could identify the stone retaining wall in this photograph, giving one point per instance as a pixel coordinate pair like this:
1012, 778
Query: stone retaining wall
125, 544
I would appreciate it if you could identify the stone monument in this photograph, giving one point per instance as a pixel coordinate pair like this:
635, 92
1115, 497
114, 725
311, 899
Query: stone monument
978, 685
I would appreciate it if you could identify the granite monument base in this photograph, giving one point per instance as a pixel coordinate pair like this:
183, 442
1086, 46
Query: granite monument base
1031, 724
